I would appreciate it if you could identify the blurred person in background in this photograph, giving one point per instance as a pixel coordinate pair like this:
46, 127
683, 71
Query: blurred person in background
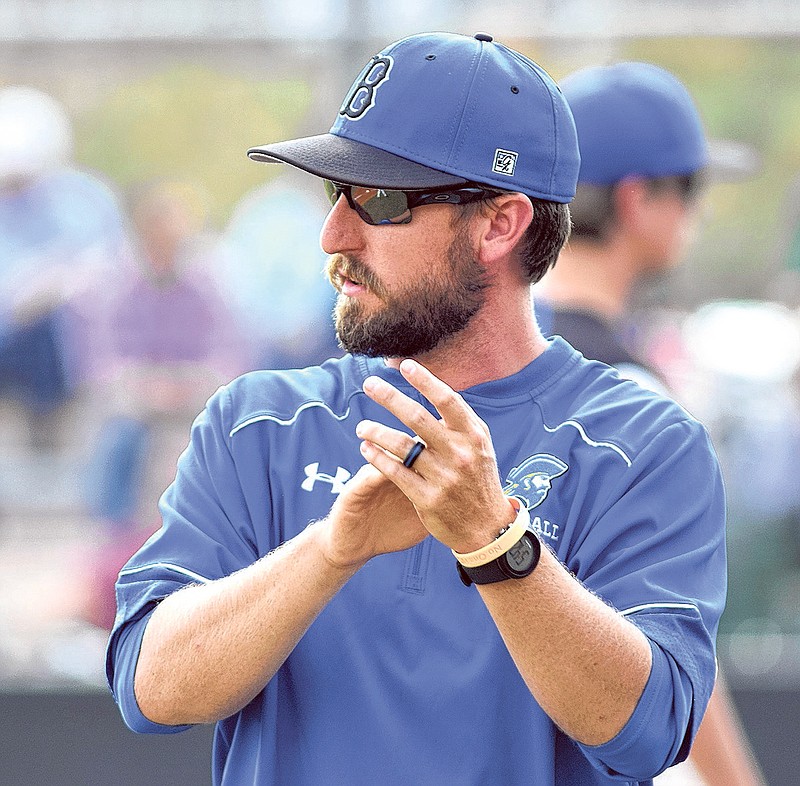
272, 273
165, 342
745, 357
58, 227
644, 164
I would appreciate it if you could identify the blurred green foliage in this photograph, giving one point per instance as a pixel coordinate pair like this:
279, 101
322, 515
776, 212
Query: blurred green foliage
194, 125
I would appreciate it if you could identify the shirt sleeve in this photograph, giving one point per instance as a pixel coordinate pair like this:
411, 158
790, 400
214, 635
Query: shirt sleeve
206, 534
657, 554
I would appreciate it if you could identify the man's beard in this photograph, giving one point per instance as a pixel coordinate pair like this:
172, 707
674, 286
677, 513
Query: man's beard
418, 318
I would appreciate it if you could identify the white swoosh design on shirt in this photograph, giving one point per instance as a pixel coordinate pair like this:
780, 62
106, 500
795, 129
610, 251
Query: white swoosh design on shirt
588, 440
166, 566
310, 404
293, 419
666, 605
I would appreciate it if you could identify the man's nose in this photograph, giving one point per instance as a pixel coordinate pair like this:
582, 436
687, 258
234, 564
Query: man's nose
342, 231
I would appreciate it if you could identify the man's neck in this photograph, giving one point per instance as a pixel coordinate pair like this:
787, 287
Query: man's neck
593, 278
500, 340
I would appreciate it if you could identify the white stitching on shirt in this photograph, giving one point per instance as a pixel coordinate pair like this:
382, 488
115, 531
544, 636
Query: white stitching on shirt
644, 606
291, 420
168, 566
585, 437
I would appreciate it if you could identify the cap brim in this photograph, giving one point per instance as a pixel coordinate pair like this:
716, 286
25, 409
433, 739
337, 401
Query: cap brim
355, 163
730, 161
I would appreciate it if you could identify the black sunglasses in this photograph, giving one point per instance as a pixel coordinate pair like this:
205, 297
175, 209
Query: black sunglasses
385, 206
687, 187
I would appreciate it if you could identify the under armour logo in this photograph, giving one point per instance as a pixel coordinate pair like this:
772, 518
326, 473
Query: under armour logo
313, 474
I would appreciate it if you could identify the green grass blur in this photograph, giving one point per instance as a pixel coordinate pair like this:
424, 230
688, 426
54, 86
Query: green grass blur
194, 125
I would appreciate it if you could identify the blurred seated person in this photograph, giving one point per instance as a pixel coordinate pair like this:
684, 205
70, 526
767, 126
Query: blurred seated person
164, 341
58, 226
644, 162
168, 342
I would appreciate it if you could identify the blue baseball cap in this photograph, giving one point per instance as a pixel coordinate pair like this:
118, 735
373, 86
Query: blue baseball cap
440, 109
634, 119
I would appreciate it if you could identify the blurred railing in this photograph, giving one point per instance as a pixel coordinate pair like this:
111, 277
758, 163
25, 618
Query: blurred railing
107, 20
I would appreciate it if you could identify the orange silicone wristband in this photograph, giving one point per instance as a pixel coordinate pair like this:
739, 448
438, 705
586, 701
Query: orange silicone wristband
504, 542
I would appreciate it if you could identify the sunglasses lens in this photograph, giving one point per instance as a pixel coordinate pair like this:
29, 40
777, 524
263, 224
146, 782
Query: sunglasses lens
379, 206
331, 190
374, 205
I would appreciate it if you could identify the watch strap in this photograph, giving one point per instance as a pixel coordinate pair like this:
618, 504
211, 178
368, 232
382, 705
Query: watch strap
503, 567
484, 574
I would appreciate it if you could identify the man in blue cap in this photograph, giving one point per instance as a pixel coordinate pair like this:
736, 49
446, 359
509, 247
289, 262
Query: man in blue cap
645, 161
310, 590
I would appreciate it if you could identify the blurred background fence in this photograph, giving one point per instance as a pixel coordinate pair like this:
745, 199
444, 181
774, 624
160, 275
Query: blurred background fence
144, 260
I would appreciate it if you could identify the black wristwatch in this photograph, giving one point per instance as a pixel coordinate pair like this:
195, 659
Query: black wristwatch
516, 563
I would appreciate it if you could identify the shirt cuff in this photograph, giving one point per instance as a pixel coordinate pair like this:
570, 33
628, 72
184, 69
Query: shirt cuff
647, 743
126, 656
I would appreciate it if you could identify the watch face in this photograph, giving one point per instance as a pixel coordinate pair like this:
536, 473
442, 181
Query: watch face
521, 557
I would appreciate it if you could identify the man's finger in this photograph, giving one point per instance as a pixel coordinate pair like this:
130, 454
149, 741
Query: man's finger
407, 480
455, 412
405, 409
395, 442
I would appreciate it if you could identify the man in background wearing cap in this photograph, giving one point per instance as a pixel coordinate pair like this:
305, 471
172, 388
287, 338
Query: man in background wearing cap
644, 161
326, 619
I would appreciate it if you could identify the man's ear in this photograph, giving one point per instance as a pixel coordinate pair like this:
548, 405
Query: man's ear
502, 225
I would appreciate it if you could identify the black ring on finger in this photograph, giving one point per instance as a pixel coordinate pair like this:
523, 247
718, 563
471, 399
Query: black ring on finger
413, 454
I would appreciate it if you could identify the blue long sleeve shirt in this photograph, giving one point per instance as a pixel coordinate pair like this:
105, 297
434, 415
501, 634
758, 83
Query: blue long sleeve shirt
404, 678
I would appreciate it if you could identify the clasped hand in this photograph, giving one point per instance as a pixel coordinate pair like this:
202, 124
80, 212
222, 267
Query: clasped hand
453, 491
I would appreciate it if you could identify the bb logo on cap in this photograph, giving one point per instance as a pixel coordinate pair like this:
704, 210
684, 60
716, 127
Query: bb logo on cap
362, 95
505, 161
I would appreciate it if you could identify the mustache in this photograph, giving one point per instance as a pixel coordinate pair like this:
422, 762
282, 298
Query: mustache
341, 267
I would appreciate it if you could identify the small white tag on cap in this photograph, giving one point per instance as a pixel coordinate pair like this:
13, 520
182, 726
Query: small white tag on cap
505, 161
